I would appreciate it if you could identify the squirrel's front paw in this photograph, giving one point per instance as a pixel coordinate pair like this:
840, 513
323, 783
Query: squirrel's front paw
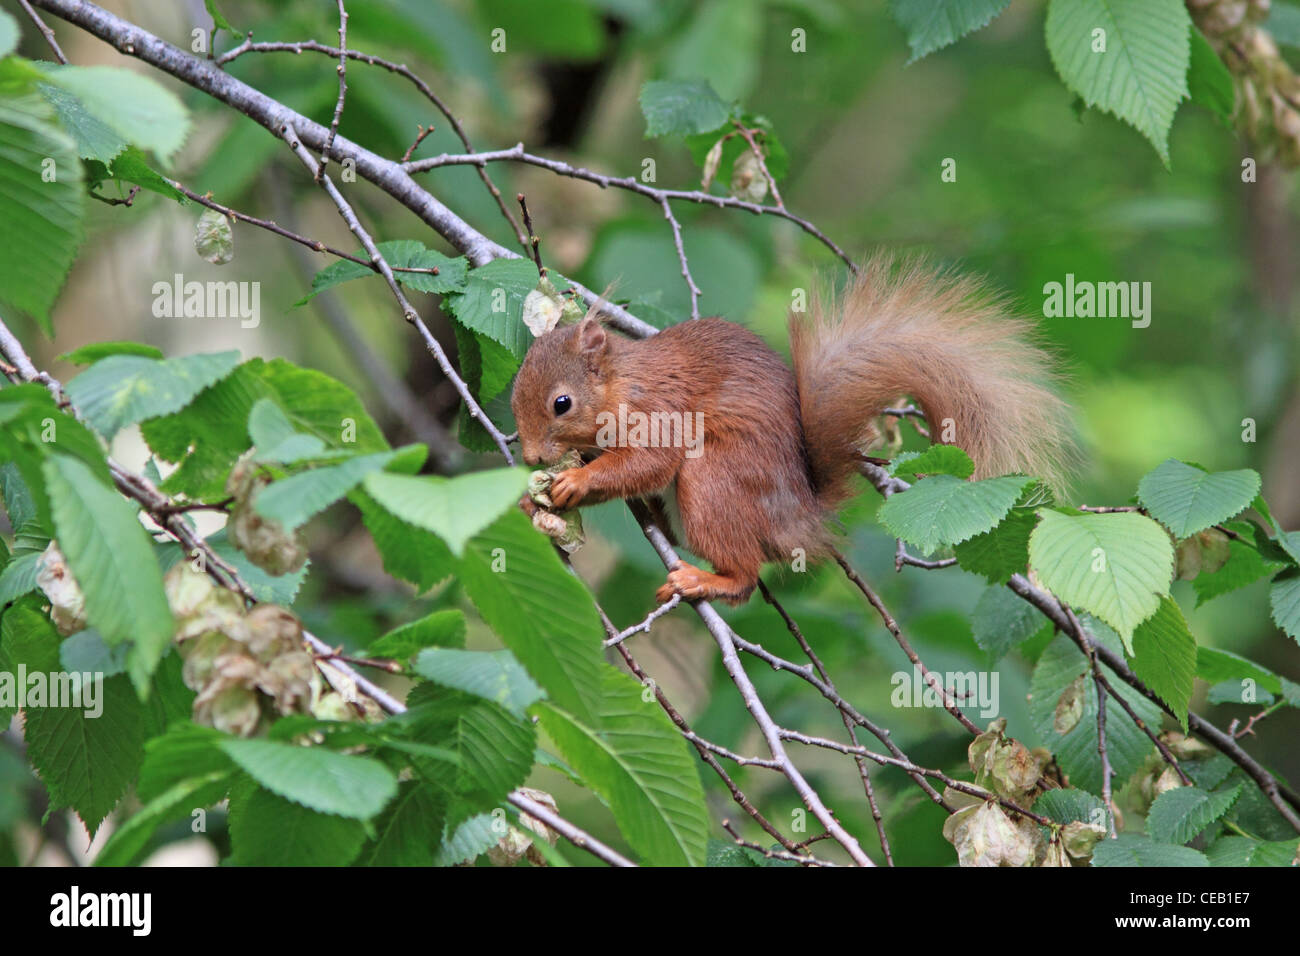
569, 488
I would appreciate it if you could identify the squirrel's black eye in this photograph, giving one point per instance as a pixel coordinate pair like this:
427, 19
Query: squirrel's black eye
562, 404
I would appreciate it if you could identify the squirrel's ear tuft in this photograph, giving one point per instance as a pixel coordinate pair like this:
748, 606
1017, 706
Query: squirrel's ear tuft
591, 336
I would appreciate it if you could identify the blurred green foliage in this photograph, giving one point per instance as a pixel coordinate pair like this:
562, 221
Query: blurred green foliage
1040, 192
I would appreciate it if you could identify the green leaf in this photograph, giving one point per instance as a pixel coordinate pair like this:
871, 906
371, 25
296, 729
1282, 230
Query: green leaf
492, 675
943, 510
1187, 500
1002, 620
487, 368
95, 140
132, 105
1135, 849
89, 354
1245, 565
409, 831
681, 108
207, 435
132, 167
1164, 657
1142, 74
733, 855
1116, 566
454, 509
1059, 667
934, 24
539, 610
935, 460
468, 840
492, 750
110, 555
1243, 851
1178, 815
1284, 600
266, 830
1001, 552
1069, 805
85, 762
122, 390
408, 552
130, 839
276, 440
1209, 84
86, 653
400, 254
638, 762
492, 301
1216, 666
293, 500
40, 221
440, 629
183, 752
218, 20
18, 577
328, 782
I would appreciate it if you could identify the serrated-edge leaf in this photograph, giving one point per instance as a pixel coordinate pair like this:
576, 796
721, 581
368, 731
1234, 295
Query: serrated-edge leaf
111, 558
943, 510
1142, 75
1187, 500
342, 784
1179, 814
1123, 584
1165, 657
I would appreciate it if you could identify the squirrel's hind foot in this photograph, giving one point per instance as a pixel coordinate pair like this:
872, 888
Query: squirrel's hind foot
694, 584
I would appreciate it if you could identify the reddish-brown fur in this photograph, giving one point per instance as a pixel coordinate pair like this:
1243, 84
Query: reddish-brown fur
778, 446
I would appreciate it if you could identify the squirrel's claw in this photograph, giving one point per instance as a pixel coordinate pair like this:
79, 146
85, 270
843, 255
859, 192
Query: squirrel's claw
568, 488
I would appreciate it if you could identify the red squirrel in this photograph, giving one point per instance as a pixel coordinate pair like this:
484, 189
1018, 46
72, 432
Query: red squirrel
780, 445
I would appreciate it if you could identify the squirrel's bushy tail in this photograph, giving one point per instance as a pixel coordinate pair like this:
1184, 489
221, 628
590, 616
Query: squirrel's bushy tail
943, 339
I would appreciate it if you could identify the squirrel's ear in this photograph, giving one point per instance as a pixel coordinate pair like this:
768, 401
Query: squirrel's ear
591, 337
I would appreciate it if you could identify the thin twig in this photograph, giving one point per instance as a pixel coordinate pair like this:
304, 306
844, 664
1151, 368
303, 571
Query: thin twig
575, 835
311, 46
408, 311
644, 626
111, 201
342, 69
422, 131
858, 759
891, 625
726, 641
45, 31
534, 242
270, 225
517, 154
691, 287
794, 857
